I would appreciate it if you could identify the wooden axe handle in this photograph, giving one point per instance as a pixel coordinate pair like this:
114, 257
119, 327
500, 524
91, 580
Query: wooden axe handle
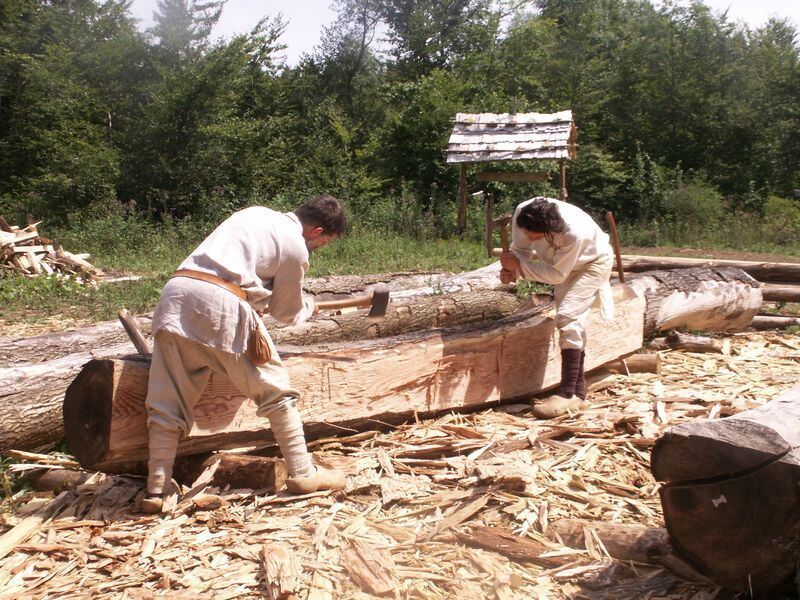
358, 301
504, 238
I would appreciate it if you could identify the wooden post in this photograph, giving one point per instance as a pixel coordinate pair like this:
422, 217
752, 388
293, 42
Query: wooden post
563, 172
462, 201
612, 224
489, 223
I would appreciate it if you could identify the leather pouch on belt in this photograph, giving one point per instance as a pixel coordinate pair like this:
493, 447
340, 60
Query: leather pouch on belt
258, 347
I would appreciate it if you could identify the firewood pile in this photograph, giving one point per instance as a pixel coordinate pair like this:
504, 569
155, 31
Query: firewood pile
463, 506
24, 251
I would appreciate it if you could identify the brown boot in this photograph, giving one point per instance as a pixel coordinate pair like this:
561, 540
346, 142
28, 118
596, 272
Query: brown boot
322, 479
580, 384
565, 399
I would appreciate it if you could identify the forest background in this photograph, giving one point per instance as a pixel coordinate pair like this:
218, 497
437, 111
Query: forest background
134, 145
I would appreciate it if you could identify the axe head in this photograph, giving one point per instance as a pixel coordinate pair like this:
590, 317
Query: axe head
380, 302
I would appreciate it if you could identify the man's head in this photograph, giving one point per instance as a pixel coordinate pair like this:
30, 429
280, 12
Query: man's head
540, 218
322, 219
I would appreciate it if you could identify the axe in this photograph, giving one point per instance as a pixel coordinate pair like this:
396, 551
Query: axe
378, 301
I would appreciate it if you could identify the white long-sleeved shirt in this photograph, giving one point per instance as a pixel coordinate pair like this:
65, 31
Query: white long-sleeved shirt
581, 243
258, 249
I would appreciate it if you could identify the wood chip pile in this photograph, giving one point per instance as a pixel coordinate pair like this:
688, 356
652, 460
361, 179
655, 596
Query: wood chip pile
435, 509
23, 250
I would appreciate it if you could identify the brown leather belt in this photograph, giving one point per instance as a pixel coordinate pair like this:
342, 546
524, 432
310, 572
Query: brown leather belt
208, 277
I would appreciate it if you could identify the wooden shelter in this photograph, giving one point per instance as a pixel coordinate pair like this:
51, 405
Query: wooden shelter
490, 137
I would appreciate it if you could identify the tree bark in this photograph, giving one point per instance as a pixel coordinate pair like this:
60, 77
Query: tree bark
404, 316
731, 494
50, 346
777, 292
762, 322
348, 386
722, 299
675, 340
636, 363
762, 271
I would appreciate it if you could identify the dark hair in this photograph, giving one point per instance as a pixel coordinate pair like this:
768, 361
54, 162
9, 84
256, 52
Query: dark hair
541, 216
323, 211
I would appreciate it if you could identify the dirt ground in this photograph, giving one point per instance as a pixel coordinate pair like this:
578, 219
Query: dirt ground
410, 523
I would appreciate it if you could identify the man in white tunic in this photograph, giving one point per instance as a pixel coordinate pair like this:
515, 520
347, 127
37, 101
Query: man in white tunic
575, 256
207, 320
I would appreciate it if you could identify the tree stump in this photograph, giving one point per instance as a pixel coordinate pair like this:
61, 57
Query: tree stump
731, 497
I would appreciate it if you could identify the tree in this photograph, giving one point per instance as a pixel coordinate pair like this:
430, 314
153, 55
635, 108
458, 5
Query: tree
184, 26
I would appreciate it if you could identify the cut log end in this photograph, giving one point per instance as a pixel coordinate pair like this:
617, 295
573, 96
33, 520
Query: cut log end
87, 412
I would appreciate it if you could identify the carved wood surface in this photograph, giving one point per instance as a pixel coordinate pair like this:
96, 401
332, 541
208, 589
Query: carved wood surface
350, 385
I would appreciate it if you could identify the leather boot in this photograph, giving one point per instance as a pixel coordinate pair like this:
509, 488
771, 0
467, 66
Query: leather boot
322, 479
580, 384
565, 399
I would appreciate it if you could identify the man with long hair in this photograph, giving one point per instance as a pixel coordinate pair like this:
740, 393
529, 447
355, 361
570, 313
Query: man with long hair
575, 256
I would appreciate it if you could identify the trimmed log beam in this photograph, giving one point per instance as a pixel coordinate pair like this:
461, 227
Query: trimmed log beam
350, 385
731, 494
723, 299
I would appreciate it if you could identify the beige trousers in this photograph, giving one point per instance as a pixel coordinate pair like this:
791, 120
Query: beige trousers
179, 371
575, 298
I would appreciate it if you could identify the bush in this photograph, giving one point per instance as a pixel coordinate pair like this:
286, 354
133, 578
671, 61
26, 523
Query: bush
782, 220
695, 211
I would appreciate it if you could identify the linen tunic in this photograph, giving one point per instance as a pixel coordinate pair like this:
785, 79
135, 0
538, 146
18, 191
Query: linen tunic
577, 263
581, 243
258, 249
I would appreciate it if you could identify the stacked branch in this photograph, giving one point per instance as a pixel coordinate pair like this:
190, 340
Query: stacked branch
25, 251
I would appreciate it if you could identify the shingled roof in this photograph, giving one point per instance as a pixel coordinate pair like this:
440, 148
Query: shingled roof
488, 137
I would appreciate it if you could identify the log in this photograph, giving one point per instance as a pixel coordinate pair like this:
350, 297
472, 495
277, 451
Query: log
762, 271
636, 363
622, 541
762, 322
722, 299
731, 494
675, 340
228, 470
50, 346
406, 315
780, 292
350, 385
31, 398
19, 351
626, 542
